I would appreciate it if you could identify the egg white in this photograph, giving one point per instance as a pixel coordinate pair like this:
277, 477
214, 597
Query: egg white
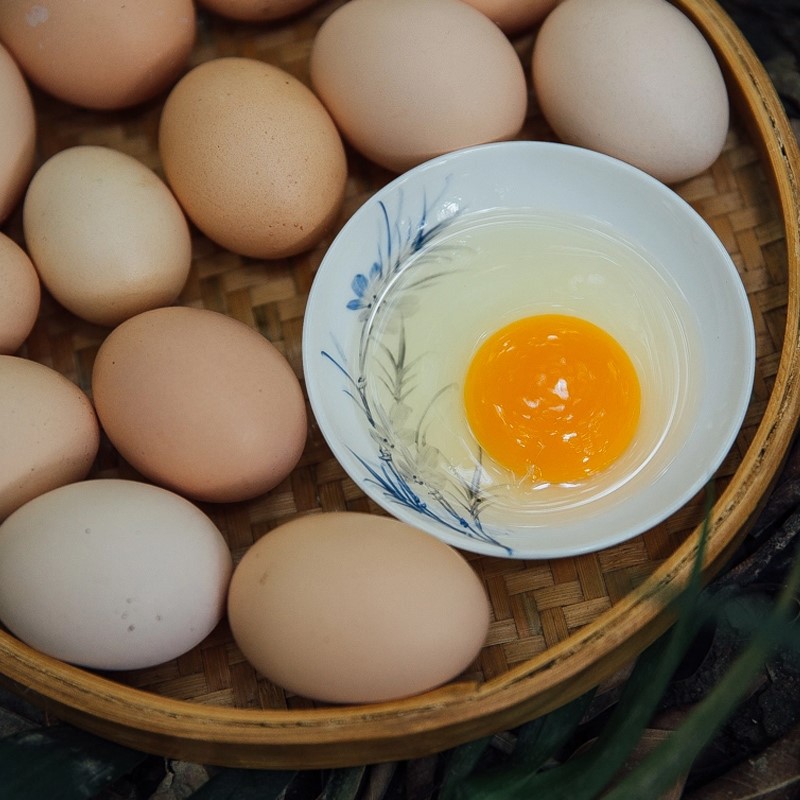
492, 268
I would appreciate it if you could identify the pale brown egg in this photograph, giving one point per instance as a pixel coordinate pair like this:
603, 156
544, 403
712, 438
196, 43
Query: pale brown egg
106, 235
49, 434
356, 608
634, 79
257, 10
406, 81
514, 16
253, 157
20, 295
200, 403
17, 133
99, 54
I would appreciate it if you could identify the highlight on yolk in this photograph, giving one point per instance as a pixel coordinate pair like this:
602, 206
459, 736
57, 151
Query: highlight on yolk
552, 397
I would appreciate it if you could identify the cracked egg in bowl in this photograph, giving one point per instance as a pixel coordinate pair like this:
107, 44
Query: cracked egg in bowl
528, 349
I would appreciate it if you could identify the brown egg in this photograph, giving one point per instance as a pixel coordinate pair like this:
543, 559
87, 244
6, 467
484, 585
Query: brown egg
17, 133
406, 81
356, 608
99, 54
20, 295
107, 236
253, 157
200, 403
514, 16
257, 10
48, 432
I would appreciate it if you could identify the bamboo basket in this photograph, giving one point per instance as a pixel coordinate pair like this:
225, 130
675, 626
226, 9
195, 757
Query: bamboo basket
559, 627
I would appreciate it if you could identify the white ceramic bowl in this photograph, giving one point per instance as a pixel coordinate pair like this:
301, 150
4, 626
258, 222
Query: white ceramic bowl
455, 248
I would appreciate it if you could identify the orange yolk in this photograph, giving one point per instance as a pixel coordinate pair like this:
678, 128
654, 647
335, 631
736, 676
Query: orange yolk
552, 397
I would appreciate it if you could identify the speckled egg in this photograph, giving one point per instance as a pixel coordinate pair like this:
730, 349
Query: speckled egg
17, 133
99, 54
257, 10
106, 235
49, 434
20, 295
253, 157
200, 403
112, 574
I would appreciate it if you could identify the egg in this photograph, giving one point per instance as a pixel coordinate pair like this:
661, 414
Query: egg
513, 16
49, 434
257, 10
112, 574
355, 608
554, 396
408, 81
97, 54
253, 157
566, 354
200, 403
106, 235
20, 295
17, 133
634, 79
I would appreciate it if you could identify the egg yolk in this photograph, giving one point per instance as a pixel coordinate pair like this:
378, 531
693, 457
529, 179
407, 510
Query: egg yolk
552, 397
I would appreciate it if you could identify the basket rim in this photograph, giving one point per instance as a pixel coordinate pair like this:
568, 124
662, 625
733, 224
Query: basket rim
458, 712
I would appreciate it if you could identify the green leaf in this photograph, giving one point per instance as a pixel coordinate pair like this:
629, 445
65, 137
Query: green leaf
537, 741
663, 767
343, 784
245, 784
586, 775
461, 761
541, 739
61, 763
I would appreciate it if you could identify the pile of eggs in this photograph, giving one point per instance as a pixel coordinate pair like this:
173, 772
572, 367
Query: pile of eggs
119, 574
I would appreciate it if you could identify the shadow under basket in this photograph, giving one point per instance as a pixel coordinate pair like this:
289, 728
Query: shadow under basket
559, 627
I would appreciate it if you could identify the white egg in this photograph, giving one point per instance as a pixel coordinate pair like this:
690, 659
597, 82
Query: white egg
634, 79
112, 574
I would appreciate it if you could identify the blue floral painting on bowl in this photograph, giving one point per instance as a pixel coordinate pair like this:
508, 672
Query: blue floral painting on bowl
404, 466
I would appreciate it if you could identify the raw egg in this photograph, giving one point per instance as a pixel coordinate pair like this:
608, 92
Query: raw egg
554, 396
537, 357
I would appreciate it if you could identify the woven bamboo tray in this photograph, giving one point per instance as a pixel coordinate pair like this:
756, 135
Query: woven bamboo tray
559, 627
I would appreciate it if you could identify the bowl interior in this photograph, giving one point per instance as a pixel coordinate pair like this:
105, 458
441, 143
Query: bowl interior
452, 250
